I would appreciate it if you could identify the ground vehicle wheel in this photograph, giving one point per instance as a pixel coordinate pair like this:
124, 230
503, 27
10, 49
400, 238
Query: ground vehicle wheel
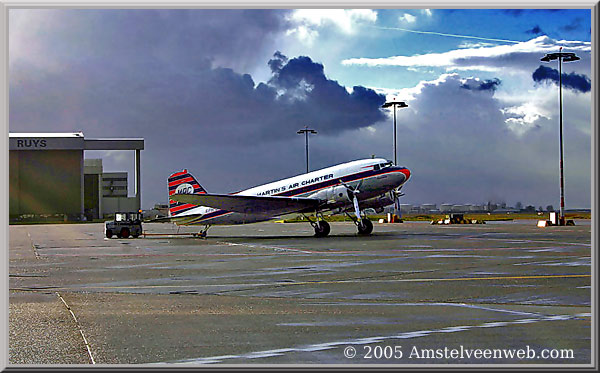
322, 229
135, 235
109, 233
125, 233
365, 227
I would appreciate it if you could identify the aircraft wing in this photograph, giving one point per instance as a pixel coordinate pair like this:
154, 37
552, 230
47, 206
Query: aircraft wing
258, 205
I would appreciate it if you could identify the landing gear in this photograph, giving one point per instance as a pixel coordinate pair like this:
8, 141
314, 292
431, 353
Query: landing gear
202, 233
321, 227
365, 227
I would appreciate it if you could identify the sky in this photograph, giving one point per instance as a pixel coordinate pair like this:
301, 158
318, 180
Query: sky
222, 93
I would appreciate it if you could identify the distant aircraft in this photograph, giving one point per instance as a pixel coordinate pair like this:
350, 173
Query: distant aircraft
357, 185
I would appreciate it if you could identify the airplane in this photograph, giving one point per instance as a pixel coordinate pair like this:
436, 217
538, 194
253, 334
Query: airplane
357, 185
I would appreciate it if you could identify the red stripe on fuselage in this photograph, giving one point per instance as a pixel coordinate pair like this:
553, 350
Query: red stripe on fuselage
181, 207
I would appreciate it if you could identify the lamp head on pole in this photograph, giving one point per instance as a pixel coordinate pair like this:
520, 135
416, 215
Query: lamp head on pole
394, 103
305, 130
564, 56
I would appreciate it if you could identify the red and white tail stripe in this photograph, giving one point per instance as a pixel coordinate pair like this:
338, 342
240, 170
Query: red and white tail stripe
182, 183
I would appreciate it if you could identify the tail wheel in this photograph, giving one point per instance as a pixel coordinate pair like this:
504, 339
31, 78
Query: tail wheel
125, 233
322, 229
365, 227
109, 233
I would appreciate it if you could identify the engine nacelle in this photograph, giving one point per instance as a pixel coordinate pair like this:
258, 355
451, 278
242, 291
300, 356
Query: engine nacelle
378, 203
332, 195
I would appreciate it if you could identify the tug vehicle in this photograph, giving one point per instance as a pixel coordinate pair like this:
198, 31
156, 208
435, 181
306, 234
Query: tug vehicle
125, 224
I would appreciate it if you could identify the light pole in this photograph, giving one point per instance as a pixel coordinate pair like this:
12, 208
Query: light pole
395, 104
306, 131
566, 57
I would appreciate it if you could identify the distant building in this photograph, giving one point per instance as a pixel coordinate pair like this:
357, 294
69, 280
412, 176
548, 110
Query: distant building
446, 207
458, 208
428, 207
160, 210
405, 208
106, 192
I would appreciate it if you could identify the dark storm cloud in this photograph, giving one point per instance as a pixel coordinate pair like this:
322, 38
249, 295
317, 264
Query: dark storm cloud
486, 85
277, 62
574, 25
577, 82
536, 30
135, 77
180, 38
330, 105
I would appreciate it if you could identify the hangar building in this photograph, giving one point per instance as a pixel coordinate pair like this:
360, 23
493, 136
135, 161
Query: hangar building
46, 173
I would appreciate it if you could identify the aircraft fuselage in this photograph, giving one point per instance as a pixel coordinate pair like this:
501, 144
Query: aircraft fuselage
375, 179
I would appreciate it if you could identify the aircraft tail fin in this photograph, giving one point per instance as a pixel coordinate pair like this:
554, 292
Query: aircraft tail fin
183, 183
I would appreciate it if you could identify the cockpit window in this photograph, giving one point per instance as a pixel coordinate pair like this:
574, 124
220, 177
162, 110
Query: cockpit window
387, 164
376, 167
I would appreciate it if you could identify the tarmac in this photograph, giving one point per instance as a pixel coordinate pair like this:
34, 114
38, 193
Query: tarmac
272, 294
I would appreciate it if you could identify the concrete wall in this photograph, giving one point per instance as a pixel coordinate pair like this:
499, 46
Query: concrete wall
110, 205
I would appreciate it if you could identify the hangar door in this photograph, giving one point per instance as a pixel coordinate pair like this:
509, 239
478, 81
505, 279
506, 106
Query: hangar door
45, 182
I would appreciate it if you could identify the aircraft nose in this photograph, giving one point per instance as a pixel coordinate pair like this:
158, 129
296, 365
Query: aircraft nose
406, 173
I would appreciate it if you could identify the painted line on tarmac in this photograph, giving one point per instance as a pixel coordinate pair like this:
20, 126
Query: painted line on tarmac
276, 248
528, 241
87, 345
364, 341
277, 284
431, 304
34, 246
147, 255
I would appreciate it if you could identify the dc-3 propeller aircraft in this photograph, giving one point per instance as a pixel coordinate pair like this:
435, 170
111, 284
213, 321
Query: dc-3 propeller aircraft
357, 185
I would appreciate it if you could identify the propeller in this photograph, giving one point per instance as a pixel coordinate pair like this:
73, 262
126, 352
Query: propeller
396, 193
352, 192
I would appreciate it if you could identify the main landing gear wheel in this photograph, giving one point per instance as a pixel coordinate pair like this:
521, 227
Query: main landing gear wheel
322, 228
365, 227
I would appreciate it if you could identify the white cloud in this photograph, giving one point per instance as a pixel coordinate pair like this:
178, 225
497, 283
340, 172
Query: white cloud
304, 34
408, 18
522, 118
493, 58
306, 22
427, 12
468, 44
